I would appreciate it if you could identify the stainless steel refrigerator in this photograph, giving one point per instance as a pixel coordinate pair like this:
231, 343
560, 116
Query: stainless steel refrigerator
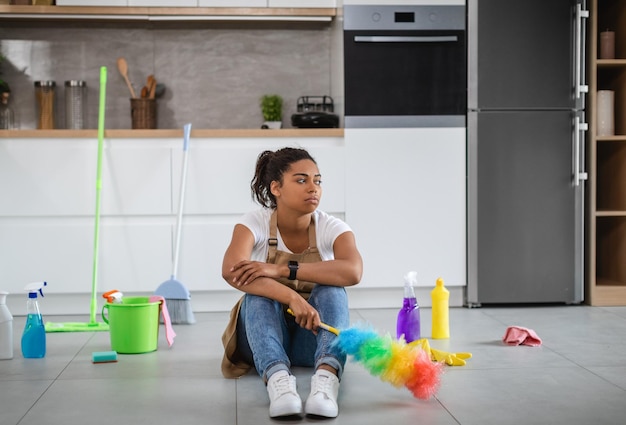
526, 131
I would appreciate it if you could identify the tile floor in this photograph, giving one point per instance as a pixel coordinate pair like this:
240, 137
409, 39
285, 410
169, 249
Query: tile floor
578, 376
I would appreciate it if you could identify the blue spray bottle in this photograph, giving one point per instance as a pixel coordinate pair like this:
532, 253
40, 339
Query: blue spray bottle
34, 336
408, 324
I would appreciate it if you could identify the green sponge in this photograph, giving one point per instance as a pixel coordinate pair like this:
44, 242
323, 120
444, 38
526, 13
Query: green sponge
104, 356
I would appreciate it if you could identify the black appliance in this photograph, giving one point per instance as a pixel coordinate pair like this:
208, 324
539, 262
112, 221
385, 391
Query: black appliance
315, 112
405, 66
526, 131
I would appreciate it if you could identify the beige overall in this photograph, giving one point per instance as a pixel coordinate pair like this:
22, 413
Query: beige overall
232, 365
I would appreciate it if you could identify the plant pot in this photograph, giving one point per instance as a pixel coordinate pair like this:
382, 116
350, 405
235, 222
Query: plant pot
273, 125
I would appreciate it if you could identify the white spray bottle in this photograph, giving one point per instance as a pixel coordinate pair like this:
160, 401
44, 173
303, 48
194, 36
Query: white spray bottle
6, 329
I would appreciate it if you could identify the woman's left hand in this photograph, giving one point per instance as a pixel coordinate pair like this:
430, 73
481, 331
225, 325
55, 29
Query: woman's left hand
247, 271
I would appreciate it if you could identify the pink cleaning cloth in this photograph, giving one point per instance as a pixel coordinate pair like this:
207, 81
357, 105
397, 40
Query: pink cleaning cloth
517, 335
169, 330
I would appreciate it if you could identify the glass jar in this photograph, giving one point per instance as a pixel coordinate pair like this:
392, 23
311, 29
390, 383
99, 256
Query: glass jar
45, 100
6, 113
75, 102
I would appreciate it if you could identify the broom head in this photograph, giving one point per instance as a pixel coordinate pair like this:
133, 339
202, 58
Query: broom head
178, 301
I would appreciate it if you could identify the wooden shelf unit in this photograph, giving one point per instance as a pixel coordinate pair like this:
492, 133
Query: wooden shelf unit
606, 282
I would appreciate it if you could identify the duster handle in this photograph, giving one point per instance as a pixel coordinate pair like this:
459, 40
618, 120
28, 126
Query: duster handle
322, 325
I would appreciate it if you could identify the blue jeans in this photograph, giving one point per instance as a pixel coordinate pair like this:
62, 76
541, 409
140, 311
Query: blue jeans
270, 339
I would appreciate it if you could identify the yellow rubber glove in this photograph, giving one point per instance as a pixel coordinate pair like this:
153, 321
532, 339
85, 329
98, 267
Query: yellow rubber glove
451, 359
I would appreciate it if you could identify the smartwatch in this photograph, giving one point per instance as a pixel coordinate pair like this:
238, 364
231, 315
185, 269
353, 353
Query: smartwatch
293, 269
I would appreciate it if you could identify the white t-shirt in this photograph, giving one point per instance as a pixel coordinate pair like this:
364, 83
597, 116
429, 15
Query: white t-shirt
327, 229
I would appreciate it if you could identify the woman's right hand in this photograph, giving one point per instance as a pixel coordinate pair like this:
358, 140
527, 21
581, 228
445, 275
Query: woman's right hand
305, 315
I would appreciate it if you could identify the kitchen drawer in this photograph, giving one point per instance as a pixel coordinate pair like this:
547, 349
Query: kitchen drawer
232, 3
92, 3
160, 3
59, 179
303, 3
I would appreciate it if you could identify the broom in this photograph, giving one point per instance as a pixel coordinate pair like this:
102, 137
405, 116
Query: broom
92, 325
177, 296
393, 361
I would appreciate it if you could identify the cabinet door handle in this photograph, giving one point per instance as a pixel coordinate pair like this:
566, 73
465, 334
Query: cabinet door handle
579, 173
580, 87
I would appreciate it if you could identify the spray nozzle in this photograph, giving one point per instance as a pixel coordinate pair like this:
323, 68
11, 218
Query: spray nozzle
410, 278
35, 287
114, 296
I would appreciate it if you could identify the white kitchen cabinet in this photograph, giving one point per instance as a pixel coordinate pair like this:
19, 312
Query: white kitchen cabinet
222, 170
47, 217
232, 3
39, 177
163, 3
91, 2
401, 190
302, 3
405, 200
131, 257
406, 2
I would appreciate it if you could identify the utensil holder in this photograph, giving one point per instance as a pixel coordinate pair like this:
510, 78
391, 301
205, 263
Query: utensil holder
143, 113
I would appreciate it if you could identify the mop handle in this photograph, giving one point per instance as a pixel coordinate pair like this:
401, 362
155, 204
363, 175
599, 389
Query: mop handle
181, 201
96, 239
322, 324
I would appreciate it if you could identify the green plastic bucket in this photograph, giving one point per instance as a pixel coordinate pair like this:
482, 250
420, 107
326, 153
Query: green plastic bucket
133, 325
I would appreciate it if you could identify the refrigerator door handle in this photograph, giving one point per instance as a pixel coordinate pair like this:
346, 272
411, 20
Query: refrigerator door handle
580, 87
579, 173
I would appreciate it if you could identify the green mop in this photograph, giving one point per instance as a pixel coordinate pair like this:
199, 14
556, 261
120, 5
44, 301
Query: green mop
92, 325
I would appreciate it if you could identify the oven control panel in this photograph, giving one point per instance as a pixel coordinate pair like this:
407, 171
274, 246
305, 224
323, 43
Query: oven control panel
363, 17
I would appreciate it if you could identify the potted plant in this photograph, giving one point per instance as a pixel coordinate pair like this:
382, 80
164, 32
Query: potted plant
4, 86
272, 109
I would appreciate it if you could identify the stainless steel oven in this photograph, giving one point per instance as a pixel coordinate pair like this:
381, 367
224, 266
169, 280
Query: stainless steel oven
405, 66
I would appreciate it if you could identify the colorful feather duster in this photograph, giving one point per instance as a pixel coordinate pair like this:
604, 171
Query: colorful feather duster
393, 361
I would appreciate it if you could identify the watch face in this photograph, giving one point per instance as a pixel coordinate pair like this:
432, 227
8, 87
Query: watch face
293, 269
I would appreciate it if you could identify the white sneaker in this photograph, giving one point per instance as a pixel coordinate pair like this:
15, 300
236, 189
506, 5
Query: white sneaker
284, 398
323, 398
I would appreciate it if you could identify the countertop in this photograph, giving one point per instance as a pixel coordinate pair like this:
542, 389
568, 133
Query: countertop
170, 133
13, 12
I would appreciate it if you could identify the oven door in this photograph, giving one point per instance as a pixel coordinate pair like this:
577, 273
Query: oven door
410, 78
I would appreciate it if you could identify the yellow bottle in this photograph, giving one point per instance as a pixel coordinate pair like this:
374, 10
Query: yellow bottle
440, 297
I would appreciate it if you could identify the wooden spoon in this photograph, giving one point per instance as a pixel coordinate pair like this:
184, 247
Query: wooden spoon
151, 86
122, 66
145, 90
